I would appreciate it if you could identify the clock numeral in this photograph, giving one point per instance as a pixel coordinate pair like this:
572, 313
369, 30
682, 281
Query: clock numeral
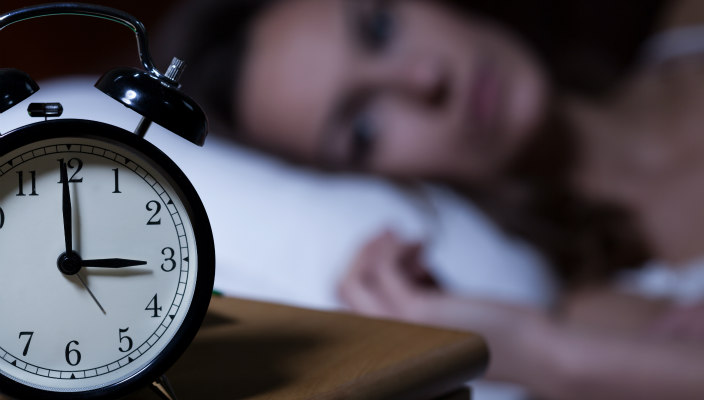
117, 181
74, 163
169, 258
155, 307
156, 208
26, 346
73, 353
2, 218
20, 191
127, 338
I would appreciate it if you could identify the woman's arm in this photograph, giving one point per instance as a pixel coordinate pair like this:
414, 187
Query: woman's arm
555, 358
605, 308
595, 364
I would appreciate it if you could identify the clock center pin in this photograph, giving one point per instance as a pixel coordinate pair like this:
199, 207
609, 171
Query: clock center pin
69, 264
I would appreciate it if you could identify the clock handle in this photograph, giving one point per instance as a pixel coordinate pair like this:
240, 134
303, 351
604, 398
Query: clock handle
163, 388
91, 10
154, 95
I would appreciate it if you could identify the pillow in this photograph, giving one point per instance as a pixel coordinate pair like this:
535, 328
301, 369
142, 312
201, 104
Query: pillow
286, 234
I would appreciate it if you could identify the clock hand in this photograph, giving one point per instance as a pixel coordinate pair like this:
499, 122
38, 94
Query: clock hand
66, 207
111, 263
85, 285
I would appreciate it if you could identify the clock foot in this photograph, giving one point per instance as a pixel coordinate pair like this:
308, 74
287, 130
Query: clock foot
163, 388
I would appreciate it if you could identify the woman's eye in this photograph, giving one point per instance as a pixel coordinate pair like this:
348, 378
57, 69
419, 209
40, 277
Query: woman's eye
362, 140
377, 28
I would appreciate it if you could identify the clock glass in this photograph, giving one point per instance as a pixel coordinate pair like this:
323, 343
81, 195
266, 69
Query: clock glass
99, 259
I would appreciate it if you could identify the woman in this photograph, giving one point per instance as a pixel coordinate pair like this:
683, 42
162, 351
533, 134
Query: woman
415, 90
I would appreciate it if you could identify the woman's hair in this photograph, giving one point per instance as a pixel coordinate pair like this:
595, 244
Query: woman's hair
586, 241
586, 45
211, 36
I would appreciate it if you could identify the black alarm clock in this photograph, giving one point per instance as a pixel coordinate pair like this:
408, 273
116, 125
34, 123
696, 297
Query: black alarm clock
107, 259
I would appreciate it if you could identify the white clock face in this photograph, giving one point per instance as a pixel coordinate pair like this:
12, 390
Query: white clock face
103, 325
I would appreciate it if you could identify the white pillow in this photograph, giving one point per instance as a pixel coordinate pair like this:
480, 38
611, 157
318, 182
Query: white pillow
287, 234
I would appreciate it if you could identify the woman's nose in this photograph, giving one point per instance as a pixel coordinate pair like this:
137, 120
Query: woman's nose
423, 79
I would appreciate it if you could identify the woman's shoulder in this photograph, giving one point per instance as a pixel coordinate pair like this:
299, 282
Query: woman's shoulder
679, 33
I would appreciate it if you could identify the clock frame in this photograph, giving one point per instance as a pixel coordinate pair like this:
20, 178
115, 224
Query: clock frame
148, 153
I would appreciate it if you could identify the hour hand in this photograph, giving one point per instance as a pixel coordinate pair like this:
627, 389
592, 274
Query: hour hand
111, 263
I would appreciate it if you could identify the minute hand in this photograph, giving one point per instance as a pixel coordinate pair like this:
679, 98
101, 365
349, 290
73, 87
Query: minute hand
66, 210
111, 263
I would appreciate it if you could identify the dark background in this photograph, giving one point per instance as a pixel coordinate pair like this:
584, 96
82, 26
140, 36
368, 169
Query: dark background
71, 45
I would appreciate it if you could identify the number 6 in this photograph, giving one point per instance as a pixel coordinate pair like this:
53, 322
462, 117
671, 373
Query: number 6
74, 351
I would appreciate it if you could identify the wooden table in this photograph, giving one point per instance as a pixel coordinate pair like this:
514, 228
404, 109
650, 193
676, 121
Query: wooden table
252, 350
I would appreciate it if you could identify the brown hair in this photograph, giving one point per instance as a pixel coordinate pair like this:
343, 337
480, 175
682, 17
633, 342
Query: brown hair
586, 241
211, 36
587, 47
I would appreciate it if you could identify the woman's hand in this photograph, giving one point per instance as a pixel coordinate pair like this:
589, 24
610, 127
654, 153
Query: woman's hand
388, 279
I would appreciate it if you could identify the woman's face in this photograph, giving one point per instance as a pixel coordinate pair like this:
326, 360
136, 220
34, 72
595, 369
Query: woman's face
408, 89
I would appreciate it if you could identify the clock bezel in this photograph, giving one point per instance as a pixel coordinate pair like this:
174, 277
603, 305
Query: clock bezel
148, 153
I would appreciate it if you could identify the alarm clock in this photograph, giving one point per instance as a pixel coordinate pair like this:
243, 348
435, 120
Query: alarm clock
107, 259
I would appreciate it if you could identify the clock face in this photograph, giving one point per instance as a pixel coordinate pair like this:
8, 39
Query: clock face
143, 284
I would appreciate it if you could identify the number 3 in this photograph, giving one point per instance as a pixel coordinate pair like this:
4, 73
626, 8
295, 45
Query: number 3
170, 258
